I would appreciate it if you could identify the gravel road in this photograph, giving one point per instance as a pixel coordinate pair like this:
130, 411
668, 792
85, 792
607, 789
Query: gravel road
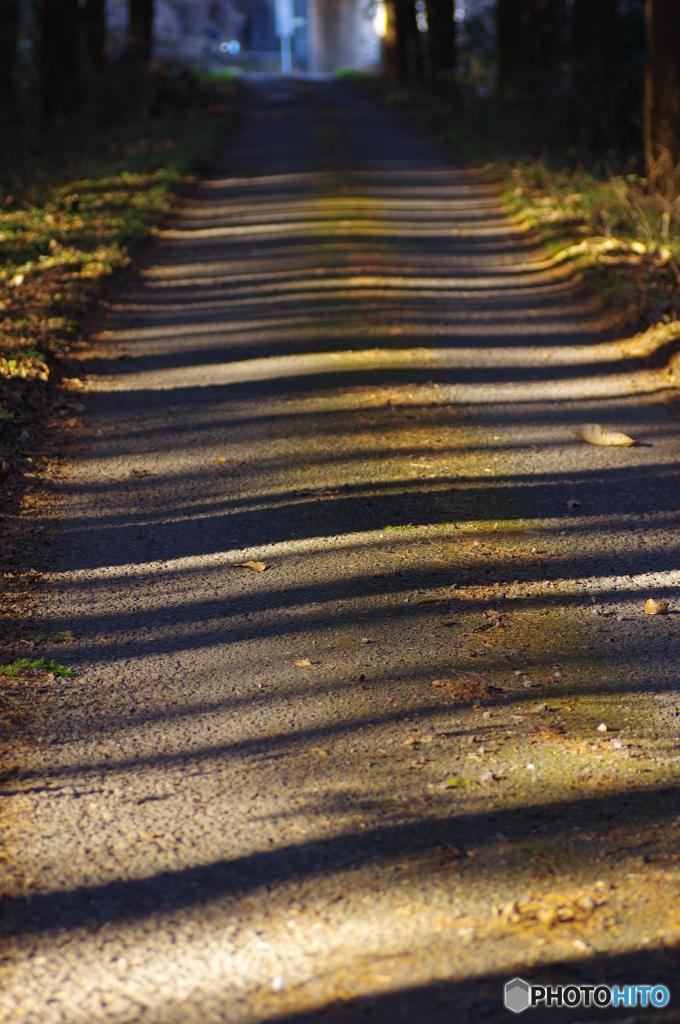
433, 743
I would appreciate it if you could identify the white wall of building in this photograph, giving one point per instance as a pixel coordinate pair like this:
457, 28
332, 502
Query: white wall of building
340, 34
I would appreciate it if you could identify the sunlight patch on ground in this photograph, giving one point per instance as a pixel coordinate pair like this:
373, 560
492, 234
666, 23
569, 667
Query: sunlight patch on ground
287, 960
385, 537
341, 228
352, 361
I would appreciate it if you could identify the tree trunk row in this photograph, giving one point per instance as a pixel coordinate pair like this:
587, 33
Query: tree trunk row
406, 48
528, 53
662, 87
71, 46
529, 36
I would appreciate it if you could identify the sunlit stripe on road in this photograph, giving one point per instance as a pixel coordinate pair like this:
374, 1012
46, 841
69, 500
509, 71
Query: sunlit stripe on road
244, 371
377, 229
666, 580
507, 277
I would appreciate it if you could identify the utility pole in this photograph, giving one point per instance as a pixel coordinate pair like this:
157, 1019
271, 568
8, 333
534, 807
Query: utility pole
286, 23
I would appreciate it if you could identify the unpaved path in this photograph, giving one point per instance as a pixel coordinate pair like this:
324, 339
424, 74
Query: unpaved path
312, 790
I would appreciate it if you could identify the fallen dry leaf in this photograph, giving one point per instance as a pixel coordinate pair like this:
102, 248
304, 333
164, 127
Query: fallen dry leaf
303, 663
653, 607
593, 433
257, 566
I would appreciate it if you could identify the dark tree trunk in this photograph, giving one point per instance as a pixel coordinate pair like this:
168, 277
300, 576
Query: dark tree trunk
401, 46
544, 18
390, 60
93, 34
409, 56
59, 55
662, 85
595, 56
441, 35
9, 31
140, 32
511, 34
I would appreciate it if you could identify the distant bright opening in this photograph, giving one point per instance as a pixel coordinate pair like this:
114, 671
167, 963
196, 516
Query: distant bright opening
233, 46
380, 20
459, 10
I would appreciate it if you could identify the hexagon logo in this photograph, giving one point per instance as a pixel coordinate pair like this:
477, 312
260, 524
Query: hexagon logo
516, 995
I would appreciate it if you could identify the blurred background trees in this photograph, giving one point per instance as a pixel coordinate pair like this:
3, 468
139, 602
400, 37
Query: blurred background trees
599, 79
662, 87
56, 52
9, 34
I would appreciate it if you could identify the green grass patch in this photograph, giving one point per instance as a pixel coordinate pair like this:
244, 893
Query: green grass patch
14, 668
456, 782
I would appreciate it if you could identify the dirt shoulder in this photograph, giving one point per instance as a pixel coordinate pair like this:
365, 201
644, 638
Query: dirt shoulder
77, 209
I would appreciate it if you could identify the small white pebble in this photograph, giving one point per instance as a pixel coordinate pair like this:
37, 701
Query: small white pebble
528, 683
602, 727
277, 983
365, 640
531, 767
557, 674
518, 671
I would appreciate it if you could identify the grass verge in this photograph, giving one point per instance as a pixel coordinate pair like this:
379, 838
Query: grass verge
74, 205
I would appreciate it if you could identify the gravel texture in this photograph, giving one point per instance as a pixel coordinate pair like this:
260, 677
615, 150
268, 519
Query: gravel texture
367, 783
